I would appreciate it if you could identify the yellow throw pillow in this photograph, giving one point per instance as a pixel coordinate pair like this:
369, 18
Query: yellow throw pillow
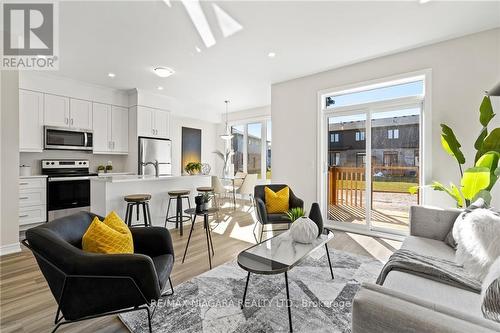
277, 202
110, 236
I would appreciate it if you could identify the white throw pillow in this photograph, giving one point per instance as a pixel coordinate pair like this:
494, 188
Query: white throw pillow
477, 234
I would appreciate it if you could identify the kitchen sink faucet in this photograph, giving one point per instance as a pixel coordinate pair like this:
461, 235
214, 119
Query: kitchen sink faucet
155, 164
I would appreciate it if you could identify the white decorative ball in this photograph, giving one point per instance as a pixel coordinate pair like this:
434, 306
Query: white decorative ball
304, 230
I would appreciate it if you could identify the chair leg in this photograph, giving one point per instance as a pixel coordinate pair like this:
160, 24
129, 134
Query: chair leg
261, 232
137, 207
171, 289
168, 211
179, 213
126, 216
150, 222
130, 213
144, 214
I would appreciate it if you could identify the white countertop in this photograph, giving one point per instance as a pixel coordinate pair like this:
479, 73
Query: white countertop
33, 176
139, 178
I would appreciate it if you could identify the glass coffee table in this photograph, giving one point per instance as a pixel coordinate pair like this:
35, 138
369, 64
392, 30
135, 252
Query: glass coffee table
278, 255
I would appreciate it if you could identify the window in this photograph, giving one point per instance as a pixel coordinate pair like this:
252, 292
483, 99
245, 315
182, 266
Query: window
360, 136
393, 133
251, 144
335, 137
390, 158
415, 88
360, 160
334, 158
237, 146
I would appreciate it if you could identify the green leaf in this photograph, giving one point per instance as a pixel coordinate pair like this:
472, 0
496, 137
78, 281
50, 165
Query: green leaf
497, 172
492, 141
485, 195
479, 142
474, 180
485, 111
453, 191
490, 160
413, 189
450, 144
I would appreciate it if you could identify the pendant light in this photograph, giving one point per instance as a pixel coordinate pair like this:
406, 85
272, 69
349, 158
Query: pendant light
227, 134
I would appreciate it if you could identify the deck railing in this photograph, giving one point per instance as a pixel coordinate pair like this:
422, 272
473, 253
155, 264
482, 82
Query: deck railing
346, 185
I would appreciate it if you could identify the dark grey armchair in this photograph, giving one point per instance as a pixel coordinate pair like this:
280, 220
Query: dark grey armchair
269, 219
89, 285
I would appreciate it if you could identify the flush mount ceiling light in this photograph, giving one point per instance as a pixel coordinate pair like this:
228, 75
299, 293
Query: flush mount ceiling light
111, 74
227, 135
271, 54
163, 71
160, 88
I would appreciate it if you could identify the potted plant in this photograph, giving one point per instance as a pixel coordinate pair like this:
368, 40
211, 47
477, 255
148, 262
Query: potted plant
478, 180
202, 202
109, 168
101, 168
294, 213
193, 168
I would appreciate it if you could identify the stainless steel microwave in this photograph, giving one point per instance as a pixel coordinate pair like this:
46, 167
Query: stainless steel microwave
67, 138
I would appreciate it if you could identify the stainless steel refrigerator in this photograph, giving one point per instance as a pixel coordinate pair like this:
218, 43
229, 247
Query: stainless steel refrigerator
151, 150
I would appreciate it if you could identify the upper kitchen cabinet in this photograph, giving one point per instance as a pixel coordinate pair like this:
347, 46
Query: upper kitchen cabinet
153, 122
56, 111
110, 127
30, 121
119, 129
80, 113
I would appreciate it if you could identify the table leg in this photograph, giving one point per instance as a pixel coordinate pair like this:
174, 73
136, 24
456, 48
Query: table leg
211, 241
288, 302
245, 292
205, 221
329, 261
234, 196
189, 238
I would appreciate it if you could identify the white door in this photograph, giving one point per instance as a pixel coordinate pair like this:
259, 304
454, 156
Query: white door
145, 118
56, 110
161, 124
30, 121
80, 112
119, 129
101, 125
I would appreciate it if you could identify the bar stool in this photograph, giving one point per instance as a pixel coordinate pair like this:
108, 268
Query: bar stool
138, 200
179, 217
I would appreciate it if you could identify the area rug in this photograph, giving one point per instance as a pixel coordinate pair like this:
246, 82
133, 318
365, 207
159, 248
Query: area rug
211, 301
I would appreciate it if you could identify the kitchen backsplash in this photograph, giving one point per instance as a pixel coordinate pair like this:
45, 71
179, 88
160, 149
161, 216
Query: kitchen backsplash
33, 159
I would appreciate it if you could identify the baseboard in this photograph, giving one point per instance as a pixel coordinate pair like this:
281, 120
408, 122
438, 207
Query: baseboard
10, 248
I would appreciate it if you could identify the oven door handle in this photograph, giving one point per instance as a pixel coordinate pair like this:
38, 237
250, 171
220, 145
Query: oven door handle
67, 179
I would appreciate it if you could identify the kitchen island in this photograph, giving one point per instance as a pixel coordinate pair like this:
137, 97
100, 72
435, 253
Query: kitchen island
107, 194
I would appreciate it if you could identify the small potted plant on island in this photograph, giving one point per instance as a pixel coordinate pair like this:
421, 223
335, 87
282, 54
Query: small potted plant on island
193, 168
101, 169
109, 167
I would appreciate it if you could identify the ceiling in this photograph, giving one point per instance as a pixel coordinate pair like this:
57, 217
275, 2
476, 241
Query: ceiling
130, 38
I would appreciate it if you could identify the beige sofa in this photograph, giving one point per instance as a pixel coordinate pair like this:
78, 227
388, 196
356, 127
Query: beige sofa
411, 303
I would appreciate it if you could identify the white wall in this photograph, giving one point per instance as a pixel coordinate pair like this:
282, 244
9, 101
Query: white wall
462, 69
9, 162
208, 141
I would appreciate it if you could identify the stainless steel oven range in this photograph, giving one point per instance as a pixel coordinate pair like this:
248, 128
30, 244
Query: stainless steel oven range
68, 186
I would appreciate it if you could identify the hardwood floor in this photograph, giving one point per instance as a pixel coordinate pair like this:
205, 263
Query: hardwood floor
26, 304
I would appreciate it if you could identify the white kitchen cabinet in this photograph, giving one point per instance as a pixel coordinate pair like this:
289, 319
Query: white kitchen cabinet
80, 114
30, 121
162, 124
32, 200
153, 122
101, 119
145, 119
110, 128
119, 129
56, 110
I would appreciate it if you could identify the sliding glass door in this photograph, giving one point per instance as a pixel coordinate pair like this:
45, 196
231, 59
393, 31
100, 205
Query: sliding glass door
373, 158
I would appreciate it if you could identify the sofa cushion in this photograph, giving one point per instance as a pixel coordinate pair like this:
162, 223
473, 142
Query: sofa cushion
429, 247
435, 292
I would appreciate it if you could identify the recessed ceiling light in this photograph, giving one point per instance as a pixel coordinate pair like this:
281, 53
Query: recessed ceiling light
160, 88
111, 74
163, 71
423, 1
271, 54
197, 49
